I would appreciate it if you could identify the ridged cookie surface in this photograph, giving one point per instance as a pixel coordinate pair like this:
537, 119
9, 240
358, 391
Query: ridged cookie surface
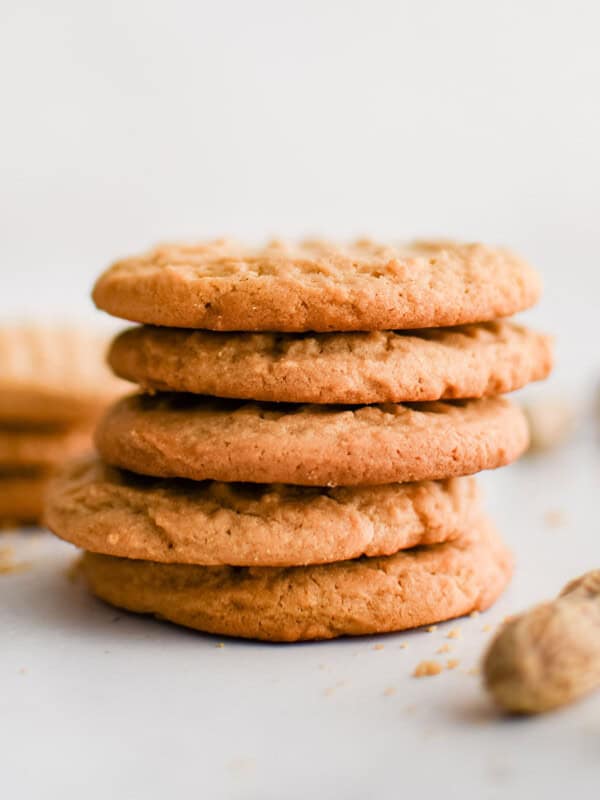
317, 286
174, 435
349, 598
176, 521
378, 367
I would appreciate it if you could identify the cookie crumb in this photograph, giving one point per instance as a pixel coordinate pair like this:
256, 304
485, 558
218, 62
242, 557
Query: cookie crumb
403, 646
554, 518
242, 767
474, 613
427, 668
389, 692
454, 633
378, 647
486, 628
473, 671
329, 691
431, 628
220, 644
8, 566
445, 648
452, 663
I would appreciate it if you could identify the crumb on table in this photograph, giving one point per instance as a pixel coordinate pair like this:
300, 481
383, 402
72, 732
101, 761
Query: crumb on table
554, 518
8, 565
426, 669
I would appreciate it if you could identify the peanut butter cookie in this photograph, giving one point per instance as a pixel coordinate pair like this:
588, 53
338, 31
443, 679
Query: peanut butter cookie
349, 598
176, 521
317, 286
177, 435
378, 367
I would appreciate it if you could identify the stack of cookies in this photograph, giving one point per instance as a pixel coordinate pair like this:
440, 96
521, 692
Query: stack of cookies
53, 386
294, 465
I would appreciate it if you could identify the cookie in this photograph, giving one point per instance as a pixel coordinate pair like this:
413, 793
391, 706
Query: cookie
50, 374
22, 496
378, 367
180, 435
317, 286
175, 521
350, 598
41, 447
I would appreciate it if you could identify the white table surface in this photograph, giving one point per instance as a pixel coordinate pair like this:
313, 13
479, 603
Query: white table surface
97, 703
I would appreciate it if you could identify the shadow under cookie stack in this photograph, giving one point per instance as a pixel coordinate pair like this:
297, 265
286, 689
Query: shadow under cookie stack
296, 465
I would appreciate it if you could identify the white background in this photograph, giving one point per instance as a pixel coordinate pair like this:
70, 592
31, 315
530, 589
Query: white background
123, 123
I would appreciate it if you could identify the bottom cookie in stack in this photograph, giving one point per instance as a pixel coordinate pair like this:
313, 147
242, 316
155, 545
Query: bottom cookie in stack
325, 562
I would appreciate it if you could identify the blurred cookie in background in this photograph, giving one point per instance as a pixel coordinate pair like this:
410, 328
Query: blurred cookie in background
53, 386
21, 496
551, 421
53, 374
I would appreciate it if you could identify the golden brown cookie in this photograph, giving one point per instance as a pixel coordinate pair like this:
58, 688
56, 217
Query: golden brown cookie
317, 286
378, 367
175, 521
50, 374
175, 435
365, 596
22, 496
43, 446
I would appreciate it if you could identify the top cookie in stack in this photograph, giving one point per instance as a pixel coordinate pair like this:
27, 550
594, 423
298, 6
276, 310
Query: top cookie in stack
316, 286
369, 372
